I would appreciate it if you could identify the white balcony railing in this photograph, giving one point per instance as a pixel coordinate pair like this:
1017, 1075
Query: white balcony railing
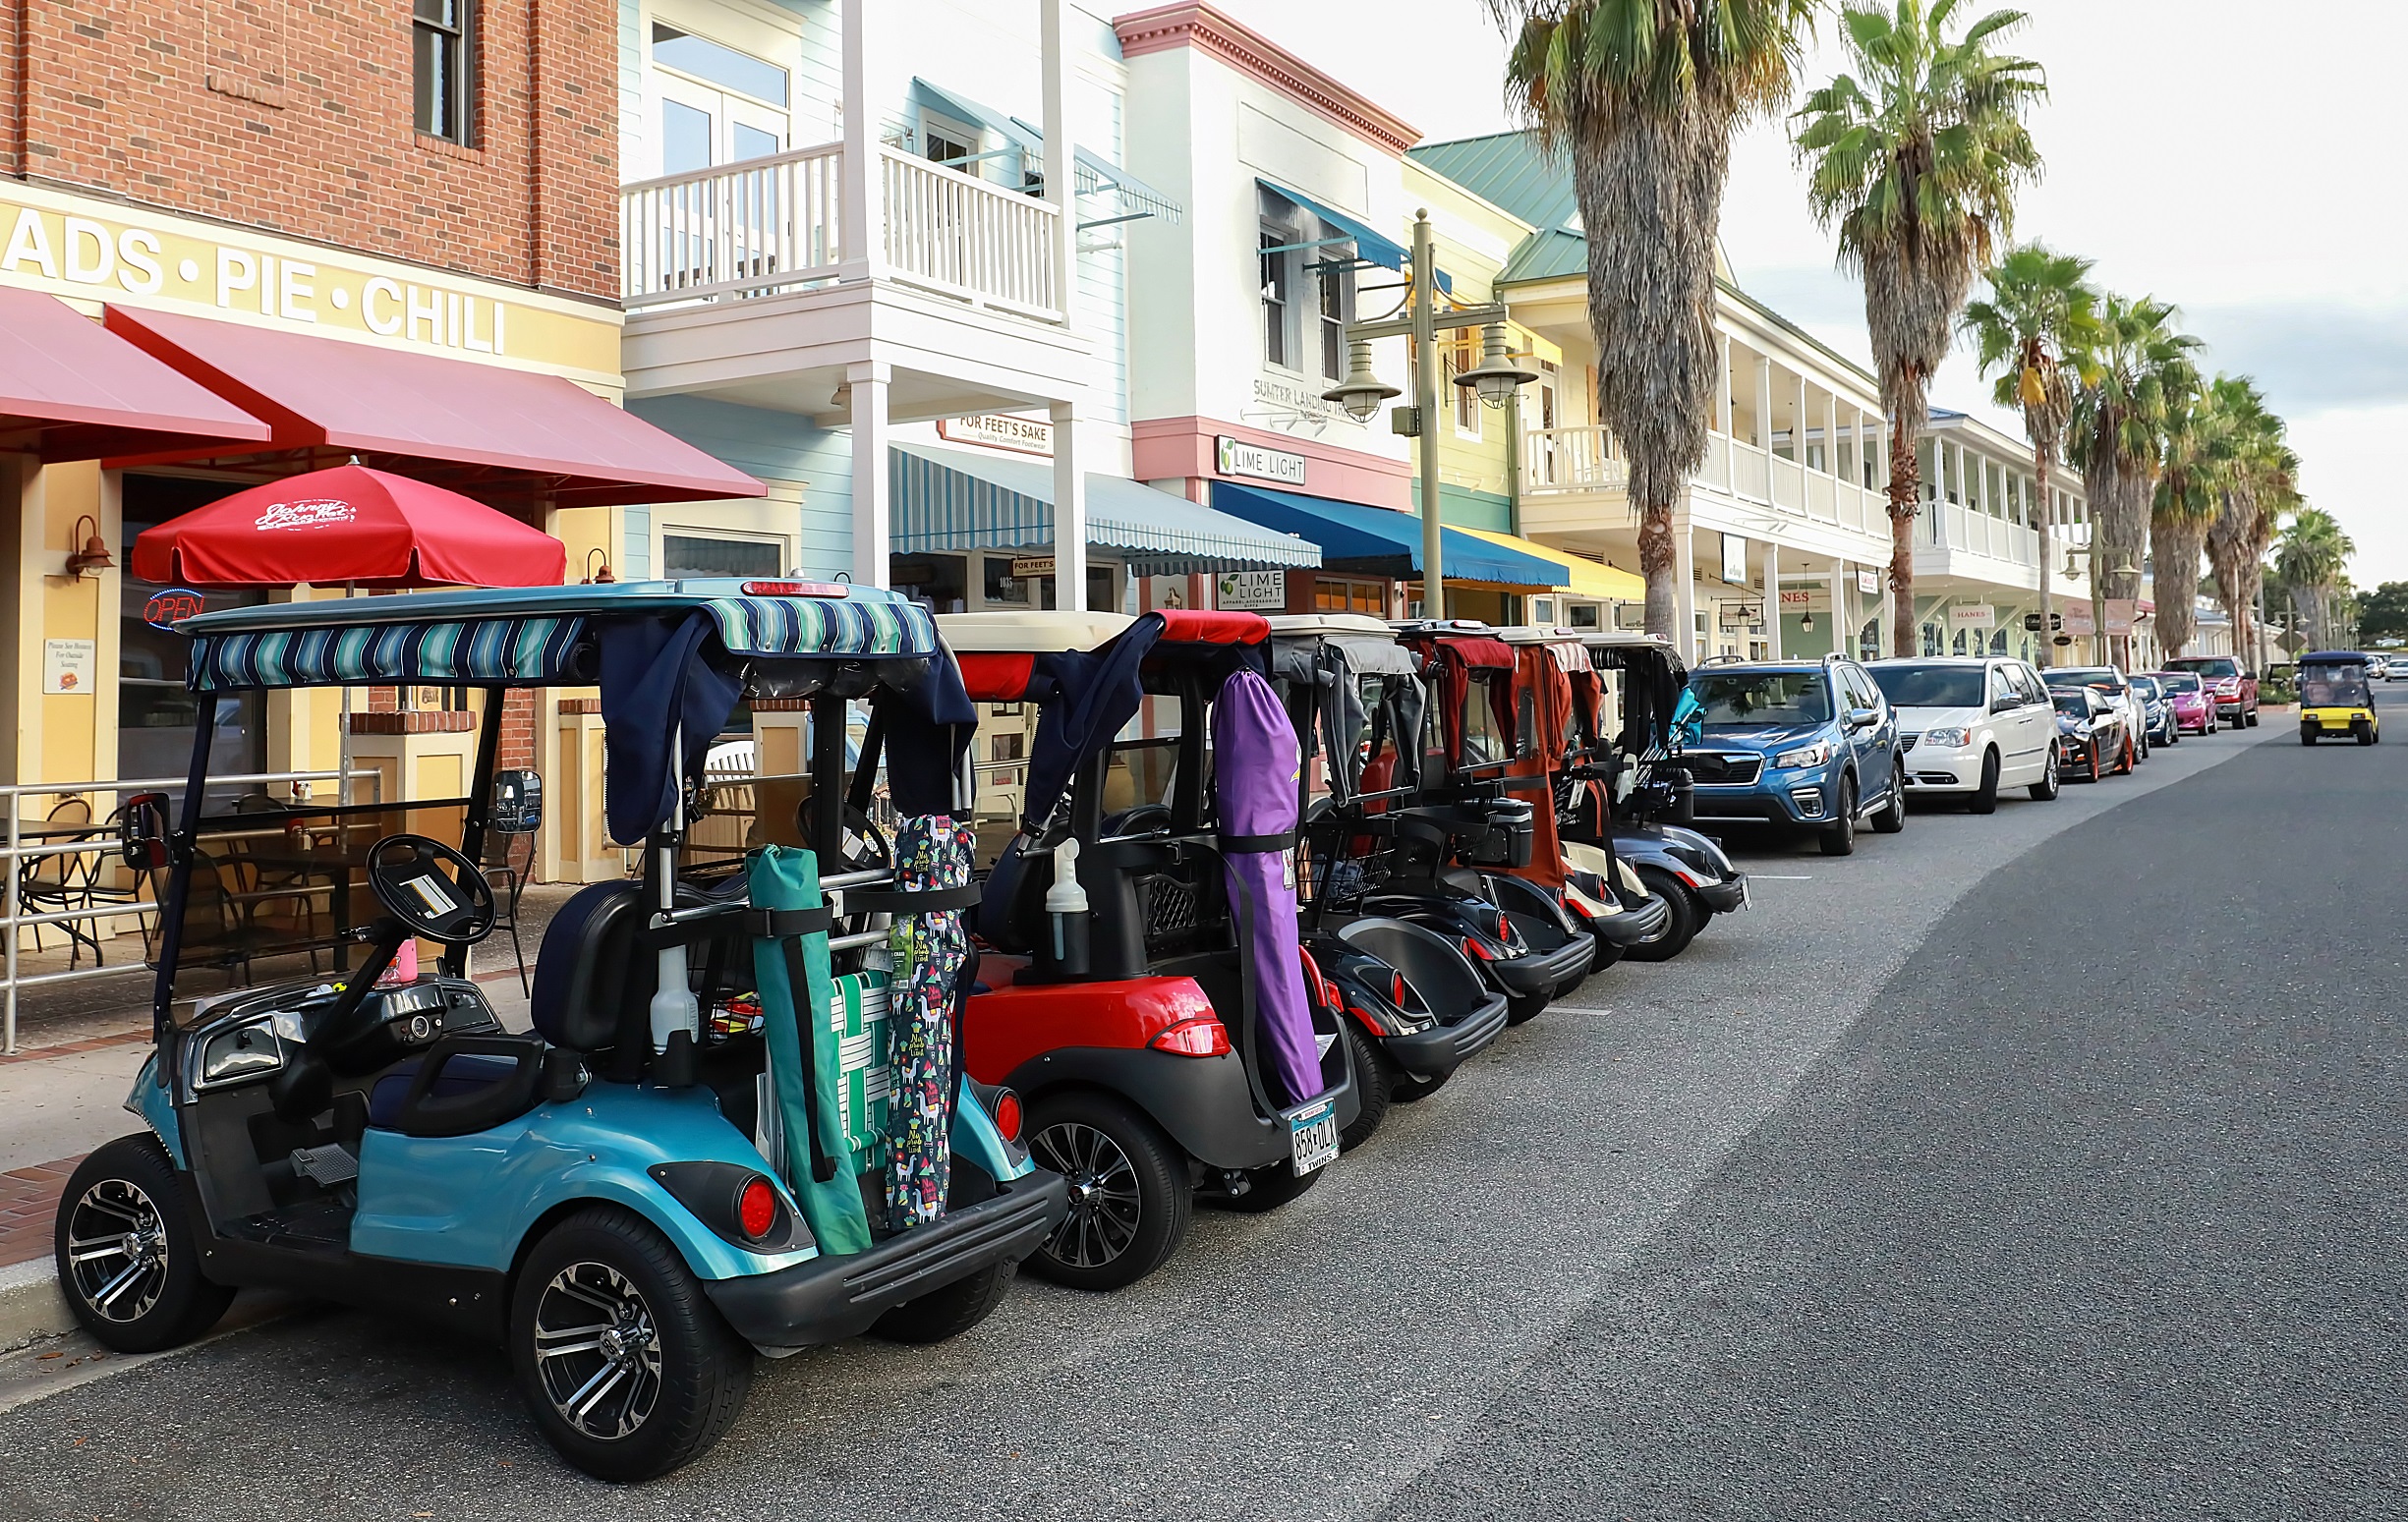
1953, 527
1788, 485
1577, 459
968, 238
764, 225
1749, 476
775, 224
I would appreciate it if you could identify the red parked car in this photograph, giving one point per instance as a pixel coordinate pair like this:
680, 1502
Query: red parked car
2194, 705
2233, 685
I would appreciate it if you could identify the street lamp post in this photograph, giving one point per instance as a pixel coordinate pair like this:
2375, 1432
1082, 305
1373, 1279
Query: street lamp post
1495, 380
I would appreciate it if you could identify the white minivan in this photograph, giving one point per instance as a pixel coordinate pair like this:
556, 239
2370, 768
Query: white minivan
1968, 725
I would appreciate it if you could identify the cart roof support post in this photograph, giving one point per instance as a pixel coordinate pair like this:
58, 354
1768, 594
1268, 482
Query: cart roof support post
480, 805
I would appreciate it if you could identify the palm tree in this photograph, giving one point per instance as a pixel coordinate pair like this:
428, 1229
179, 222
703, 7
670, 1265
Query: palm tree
2256, 490
1917, 165
2199, 457
2042, 311
1644, 95
2133, 365
2311, 555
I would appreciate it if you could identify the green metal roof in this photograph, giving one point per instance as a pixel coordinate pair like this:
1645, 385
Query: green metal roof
1510, 170
1548, 255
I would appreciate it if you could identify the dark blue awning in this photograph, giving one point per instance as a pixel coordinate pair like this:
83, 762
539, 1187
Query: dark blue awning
1382, 540
1372, 247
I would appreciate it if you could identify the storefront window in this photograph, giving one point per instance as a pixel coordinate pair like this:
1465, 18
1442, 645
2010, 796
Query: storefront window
156, 713
1333, 595
942, 582
687, 554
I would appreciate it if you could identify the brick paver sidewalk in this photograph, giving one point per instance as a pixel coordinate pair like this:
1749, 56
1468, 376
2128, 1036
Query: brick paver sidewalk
29, 1202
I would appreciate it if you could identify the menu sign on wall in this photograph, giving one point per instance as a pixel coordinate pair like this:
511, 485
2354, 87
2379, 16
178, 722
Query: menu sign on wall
1236, 457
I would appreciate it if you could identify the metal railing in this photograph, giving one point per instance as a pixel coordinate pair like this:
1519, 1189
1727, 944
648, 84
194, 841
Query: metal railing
92, 839
773, 224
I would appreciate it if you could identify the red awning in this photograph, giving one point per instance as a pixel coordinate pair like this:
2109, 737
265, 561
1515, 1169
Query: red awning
71, 390
503, 435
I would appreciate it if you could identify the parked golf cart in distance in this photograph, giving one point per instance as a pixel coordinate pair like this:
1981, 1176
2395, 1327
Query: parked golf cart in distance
619, 1197
1125, 994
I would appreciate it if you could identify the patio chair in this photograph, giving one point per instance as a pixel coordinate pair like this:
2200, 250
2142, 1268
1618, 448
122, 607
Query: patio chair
508, 860
56, 882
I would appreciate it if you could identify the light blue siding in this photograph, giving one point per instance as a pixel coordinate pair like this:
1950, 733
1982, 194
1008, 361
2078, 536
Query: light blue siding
775, 446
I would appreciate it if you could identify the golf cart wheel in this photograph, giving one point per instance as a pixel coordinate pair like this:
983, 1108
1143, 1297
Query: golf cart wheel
1522, 1008
2364, 731
2052, 775
127, 1254
1838, 837
1375, 1076
1407, 1089
2307, 734
624, 1363
1130, 1198
1986, 795
1688, 918
947, 1312
1891, 818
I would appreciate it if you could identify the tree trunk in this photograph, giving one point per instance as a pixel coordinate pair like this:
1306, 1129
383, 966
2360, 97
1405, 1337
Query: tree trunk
2177, 552
2049, 518
1906, 485
1660, 564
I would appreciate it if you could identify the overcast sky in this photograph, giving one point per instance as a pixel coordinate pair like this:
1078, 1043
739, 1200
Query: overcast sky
2203, 151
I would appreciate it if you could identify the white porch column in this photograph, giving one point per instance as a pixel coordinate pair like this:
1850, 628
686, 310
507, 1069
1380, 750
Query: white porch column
1722, 393
862, 184
1843, 609
1060, 170
1684, 589
1069, 510
1832, 436
1763, 406
1798, 426
873, 507
1772, 582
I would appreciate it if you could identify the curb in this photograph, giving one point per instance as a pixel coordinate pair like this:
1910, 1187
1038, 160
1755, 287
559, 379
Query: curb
31, 1306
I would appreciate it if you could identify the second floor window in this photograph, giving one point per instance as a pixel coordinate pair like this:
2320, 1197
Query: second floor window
443, 65
1335, 280
1278, 262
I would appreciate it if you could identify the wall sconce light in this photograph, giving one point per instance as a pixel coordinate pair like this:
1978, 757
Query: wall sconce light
93, 556
594, 577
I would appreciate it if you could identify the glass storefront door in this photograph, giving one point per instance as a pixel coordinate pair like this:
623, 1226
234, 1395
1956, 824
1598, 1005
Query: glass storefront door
155, 713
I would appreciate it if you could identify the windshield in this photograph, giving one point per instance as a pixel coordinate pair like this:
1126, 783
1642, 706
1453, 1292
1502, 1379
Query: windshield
1930, 686
2332, 685
2179, 683
1731, 700
2147, 687
2081, 676
2208, 665
2073, 702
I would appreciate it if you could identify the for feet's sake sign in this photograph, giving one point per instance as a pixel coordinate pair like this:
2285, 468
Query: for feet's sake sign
88, 250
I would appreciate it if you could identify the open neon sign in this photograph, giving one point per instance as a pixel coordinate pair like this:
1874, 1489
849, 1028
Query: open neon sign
170, 604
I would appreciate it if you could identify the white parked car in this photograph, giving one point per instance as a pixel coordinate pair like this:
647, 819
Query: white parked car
1968, 725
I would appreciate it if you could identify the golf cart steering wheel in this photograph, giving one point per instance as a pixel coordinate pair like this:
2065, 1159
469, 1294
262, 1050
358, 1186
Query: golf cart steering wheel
452, 911
863, 846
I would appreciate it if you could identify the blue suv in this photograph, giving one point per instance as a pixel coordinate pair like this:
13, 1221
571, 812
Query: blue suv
1809, 745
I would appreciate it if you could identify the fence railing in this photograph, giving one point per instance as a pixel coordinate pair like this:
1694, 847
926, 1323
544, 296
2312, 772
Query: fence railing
773, 224
76, 847
1573, 459
752, 228
968, 238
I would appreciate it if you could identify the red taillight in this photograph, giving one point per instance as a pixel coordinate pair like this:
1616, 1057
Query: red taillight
1473, 949
1396, 989
796, 589
757, 1207
1007, 1114
1201, 1036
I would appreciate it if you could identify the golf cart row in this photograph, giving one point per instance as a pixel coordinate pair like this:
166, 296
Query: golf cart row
1222, 890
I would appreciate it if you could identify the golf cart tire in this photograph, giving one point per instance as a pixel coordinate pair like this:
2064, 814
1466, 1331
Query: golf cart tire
1376, 1073
706, 1369
1522, 1008
186, 1302
1166, 1193
1688, 918
1410, 1090
945, 1312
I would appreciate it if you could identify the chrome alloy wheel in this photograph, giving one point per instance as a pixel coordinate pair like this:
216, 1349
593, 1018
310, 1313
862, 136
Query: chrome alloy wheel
597, 1350
117, 1244
1105, 1207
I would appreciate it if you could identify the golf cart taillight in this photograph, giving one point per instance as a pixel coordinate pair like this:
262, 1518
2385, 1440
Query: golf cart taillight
756, 1208
1396, 989
1200, 1036
1007, 1114
796, 590
1473, 948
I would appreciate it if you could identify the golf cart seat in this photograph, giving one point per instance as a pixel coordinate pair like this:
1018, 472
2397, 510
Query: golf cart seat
472, 1091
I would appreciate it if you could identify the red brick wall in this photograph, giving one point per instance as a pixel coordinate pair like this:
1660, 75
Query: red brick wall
295, 116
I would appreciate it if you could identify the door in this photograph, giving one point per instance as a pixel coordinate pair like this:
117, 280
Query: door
2037, 719
702, 127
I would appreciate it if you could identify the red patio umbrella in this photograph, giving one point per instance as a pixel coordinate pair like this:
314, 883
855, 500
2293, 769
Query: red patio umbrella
349, 526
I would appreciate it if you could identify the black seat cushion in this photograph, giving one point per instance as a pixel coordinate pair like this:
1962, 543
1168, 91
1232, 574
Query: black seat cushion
503, 1079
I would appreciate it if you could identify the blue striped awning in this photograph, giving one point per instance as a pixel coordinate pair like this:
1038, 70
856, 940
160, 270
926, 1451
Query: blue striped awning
495, 650
813, 626
949, 499
1383, 542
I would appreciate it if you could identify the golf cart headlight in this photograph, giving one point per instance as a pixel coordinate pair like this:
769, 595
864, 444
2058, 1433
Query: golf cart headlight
1947, 739
1804, 756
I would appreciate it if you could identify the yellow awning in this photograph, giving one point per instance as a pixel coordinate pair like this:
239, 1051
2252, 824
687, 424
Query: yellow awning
1588, 579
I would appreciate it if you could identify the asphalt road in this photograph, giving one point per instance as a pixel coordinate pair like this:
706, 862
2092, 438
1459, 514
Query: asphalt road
2022, 1165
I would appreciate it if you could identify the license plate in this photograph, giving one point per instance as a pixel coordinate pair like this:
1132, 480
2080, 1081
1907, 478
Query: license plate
1313, 1135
